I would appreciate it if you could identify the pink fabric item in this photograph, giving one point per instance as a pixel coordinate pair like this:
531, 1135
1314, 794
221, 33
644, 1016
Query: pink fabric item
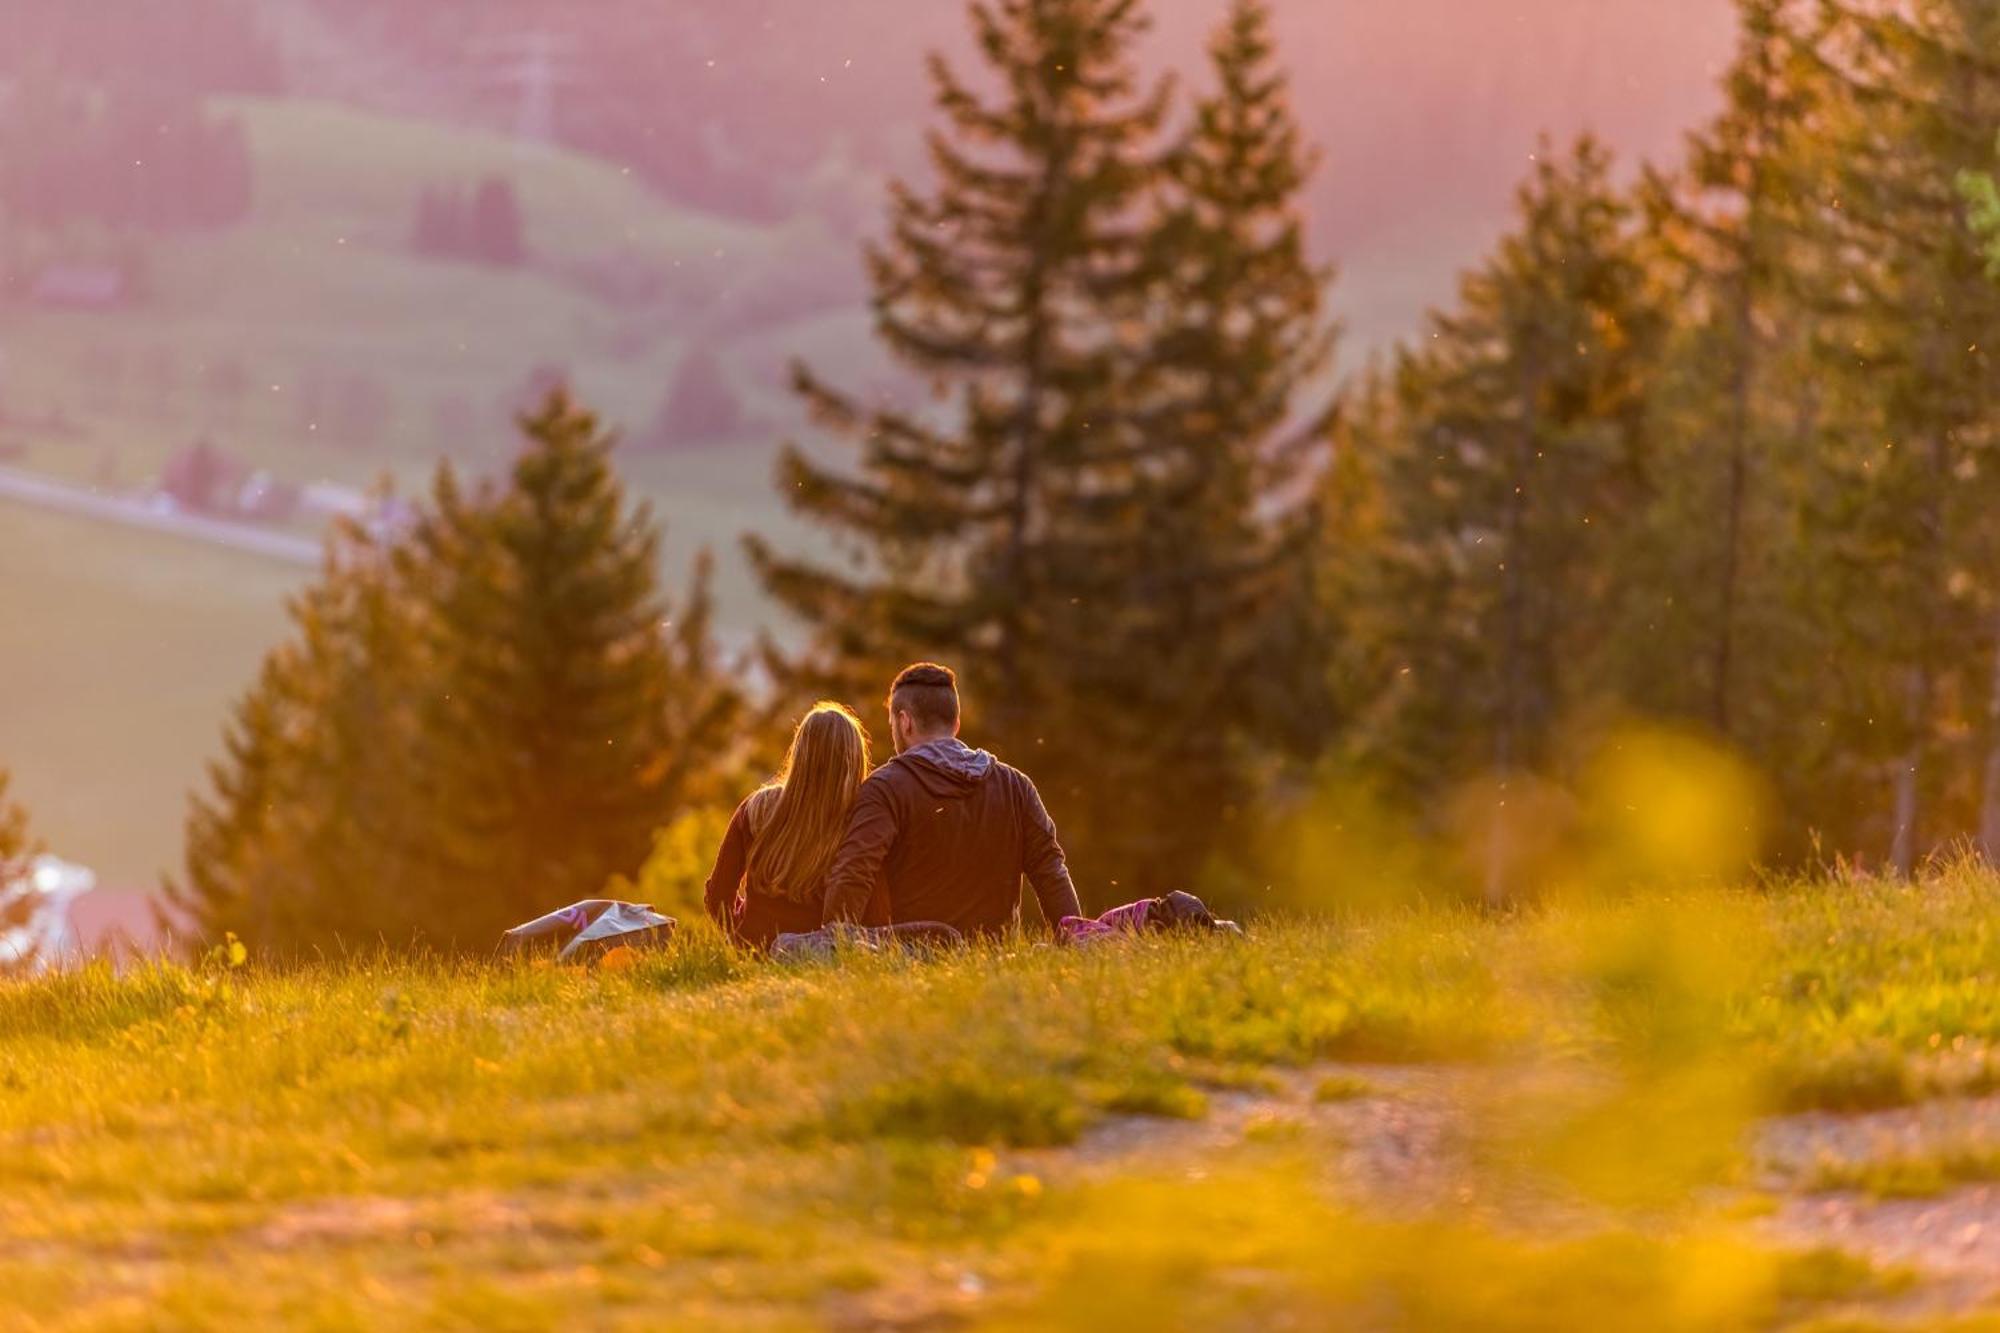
1127, 920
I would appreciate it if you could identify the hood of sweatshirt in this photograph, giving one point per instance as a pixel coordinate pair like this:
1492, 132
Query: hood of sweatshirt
947, 768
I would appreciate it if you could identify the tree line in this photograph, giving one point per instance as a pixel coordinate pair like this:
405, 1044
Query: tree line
146, 158
1704, 443
196, 47
1714, 447
483, 226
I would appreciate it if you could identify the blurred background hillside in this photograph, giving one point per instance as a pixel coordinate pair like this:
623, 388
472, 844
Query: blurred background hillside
255, 254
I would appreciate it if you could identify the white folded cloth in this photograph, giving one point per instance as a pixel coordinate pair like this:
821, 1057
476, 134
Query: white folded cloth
595, 920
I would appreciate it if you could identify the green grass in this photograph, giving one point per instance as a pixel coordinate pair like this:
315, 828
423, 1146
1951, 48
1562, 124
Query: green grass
1343, 1088
1884, 992
701, 1138
1922, 1173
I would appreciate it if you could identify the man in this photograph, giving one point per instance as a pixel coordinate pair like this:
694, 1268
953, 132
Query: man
950, 829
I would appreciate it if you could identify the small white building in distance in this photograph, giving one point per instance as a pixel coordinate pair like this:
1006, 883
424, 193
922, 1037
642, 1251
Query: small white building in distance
57, 916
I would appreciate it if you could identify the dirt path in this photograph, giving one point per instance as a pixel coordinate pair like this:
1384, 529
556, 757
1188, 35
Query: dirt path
1395, 1133
1408, 1146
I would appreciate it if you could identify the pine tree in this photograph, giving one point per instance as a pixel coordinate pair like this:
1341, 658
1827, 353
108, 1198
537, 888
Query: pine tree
1014, 287
315, 828
701, 407
1902, 506
562, 730
472, 723
1511, 455
494, 226
1193, 646
1725, 240
1369, 564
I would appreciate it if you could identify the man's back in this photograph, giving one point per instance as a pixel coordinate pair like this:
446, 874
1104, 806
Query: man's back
951, 831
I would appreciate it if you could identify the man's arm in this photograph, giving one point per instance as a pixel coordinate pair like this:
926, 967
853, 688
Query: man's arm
1043, 861
871, 832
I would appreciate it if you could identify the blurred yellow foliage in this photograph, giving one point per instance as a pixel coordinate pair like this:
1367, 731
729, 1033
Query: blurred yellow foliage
1641, 806
1661, 806
1258, 1246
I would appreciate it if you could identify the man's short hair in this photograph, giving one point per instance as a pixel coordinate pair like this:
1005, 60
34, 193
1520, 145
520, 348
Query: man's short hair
927, 692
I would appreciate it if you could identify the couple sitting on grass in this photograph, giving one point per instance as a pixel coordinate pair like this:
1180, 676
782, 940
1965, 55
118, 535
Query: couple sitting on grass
935, 842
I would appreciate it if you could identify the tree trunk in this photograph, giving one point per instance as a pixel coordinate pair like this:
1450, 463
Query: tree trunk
1732, 559
1035, 300
1741, 392
1744, 388
1989, 806
1909, 771
1507, 740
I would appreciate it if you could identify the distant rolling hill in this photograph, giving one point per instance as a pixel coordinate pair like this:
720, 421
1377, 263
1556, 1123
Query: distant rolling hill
1426, 109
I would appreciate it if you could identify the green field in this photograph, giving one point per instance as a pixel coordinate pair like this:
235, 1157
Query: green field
119, 653
1420, 1118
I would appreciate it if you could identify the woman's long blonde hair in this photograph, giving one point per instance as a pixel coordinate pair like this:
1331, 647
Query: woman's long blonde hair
798, 821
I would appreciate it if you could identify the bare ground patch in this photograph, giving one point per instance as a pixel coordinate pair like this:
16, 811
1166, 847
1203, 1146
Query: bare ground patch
1949, 1232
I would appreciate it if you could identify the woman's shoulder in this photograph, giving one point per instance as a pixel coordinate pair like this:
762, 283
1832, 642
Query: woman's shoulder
758, 805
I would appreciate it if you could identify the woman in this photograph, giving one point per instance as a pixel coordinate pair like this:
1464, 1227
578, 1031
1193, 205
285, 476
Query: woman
770, 873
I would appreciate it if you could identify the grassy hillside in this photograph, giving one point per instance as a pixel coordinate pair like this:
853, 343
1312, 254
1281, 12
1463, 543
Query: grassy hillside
1423, 1119
320, 289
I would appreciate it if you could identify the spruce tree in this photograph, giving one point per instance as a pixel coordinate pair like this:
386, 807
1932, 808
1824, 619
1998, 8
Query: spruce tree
700, 408
1724, 237
1900, 510
1511, 454
315, 827
1014, 286
1194, 647
494, 228
472, 723
561, 730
